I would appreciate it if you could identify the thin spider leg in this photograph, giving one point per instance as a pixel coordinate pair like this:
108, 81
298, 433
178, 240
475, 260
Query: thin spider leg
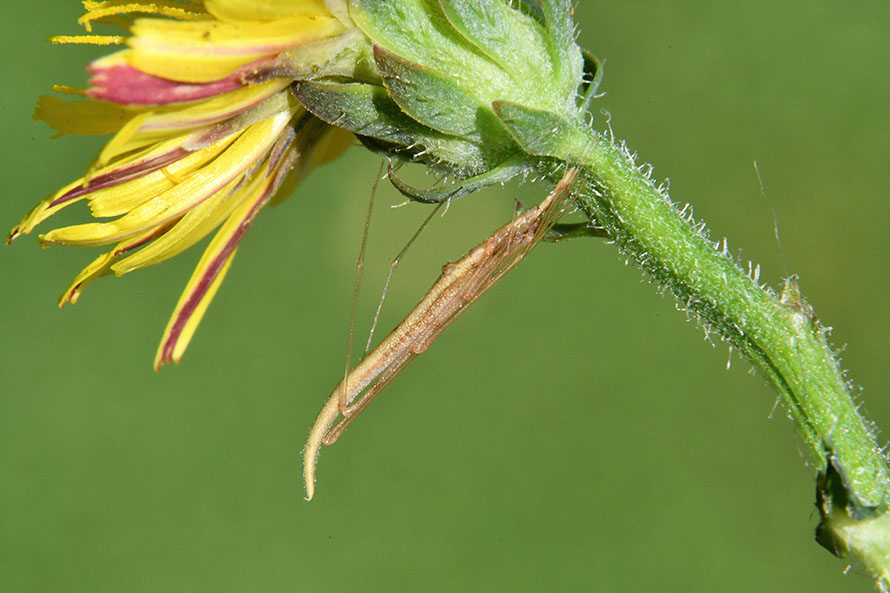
359, 269
392, 268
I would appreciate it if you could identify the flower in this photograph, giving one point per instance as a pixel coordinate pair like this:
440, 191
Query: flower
219, 107
206, 133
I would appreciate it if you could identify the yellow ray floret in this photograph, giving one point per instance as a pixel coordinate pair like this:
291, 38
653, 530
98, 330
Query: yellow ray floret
191, 228
101, 266
94, 117
97, 11
209, 273
232, 163
209, 111
122, 198
89, 118
263, 10
206, 51
205, 134
56, 201
120, 142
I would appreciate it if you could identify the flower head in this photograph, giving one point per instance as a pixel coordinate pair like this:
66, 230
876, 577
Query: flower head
206, 133
219, 106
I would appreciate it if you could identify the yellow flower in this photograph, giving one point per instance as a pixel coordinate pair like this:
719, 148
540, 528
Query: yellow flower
206, 133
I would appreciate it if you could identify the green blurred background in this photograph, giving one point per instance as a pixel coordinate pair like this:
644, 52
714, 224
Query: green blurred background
571, 432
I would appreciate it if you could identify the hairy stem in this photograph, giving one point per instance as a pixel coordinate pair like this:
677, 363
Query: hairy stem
779, 334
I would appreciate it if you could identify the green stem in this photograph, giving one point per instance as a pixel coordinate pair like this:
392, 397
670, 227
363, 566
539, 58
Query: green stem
777, 333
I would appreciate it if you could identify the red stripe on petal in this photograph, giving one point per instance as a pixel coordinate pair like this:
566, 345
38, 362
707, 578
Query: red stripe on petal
124, 84
121, 175
209, 276
140, 241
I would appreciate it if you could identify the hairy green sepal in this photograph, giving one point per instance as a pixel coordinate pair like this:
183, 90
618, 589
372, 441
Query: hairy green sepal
367, 110
440, 67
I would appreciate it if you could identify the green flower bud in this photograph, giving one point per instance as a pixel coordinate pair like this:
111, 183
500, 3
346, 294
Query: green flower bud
447, 72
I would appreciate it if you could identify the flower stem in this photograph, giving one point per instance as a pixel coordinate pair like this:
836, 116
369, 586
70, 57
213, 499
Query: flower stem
778, 333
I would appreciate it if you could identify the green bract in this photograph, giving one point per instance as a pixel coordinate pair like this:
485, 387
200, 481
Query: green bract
442, 68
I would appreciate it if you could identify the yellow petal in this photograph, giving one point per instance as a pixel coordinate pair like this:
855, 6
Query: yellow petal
135, 160
43, 210
57, 201
263, 10
206, 51
101, 11
208, 275
209, 111
120, 199
231, 164
91, 118
120, 142
101, 266
190, 309
191, 228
